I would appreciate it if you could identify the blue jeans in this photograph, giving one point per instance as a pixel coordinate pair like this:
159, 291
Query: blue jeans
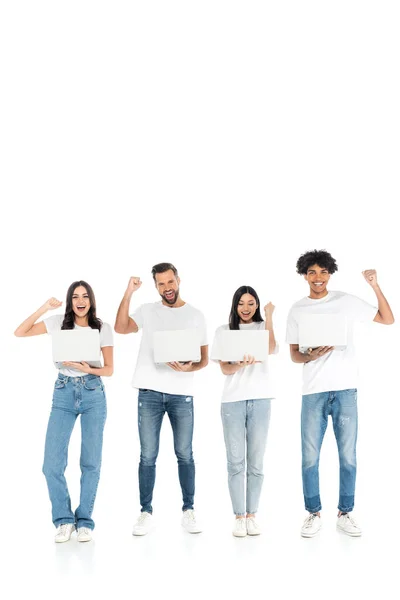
75, 396
342, 406
245, 421
151, 408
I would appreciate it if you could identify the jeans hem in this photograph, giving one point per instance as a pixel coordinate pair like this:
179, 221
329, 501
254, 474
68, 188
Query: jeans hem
314, 510
349, 509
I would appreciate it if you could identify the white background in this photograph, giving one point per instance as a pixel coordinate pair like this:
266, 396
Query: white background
227, 138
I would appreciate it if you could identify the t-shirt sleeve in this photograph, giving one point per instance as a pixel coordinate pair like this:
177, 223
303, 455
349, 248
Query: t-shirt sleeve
138, 317
53, 323
106, 336
359, 310
201, 325
292, 329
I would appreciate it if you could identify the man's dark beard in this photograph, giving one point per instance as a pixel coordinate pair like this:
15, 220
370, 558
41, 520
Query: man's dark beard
174, 298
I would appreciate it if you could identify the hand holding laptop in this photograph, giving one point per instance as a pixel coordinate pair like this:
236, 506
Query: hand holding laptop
315, 353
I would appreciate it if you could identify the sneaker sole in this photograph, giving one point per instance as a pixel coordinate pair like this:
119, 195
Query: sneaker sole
239, 534
310, 535
137, 534
253, 534
348, 533
62, 541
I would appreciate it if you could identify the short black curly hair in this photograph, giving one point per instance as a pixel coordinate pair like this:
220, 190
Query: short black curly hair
316, 257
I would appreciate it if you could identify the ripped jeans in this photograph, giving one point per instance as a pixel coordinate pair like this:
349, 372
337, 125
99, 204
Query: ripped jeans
245, 426
316, 408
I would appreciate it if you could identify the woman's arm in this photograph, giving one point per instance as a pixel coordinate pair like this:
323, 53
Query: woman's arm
29, 327
268, 310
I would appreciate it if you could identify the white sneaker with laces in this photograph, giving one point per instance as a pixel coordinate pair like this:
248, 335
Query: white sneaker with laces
252, 526
240, 529
189, 521
311, 526
64, 532
84, 534
143, 524
347, 524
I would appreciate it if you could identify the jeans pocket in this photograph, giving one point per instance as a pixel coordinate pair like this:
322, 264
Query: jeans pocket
59, 384
93, 384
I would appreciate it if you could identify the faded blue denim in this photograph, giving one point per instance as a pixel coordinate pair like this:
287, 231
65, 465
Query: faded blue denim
341, 405
75, 396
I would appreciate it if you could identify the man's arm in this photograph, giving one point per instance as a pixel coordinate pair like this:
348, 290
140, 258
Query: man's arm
312, 354
384, 314
123, 322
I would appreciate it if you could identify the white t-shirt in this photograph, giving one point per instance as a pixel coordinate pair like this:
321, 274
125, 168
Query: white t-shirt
54, 323
250, 383
158, 317
336, 370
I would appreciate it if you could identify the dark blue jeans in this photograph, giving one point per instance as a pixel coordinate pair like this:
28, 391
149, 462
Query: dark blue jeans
152, 406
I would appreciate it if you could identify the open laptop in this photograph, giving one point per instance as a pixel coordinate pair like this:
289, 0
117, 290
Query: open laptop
231, 345
76, 345
322, 330
181, 345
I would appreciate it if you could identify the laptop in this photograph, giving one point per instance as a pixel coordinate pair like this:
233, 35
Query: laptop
231, 345
76, 345
180, 345
322, 330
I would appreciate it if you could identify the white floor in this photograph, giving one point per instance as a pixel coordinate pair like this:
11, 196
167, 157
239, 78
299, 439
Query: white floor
168, 561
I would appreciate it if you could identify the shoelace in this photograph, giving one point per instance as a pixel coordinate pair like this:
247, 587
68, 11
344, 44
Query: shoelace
142, 517
252, 522
241, 523
189, 514
352, 521
310, 520
64, 528
85, 530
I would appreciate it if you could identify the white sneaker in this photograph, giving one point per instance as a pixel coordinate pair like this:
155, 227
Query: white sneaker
252, 526
347, 524
64, 532
189, 521
84, 534
240, 529
143, 524
311, 526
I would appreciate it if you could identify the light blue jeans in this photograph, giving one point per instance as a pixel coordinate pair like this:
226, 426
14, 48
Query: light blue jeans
245, 426
75, 396
316, 408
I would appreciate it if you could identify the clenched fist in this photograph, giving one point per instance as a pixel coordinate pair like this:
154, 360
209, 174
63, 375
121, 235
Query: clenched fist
51, 304
133, 285
371, 277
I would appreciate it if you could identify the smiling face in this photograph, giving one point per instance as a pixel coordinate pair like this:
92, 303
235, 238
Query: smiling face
80, 301
168, 287
246, 308
317, 278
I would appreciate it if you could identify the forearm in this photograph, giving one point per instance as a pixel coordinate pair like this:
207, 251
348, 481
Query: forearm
199, 365
230, 368
384, 309
24, 328
122, 318
105, 371
299, 357
272, 342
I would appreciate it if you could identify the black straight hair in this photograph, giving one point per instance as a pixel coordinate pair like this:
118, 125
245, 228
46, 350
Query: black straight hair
234, 319
69, 317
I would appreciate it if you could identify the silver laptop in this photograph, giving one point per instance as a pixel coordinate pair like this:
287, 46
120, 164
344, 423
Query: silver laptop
322, 330
231, 345
181, 345
76, 345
